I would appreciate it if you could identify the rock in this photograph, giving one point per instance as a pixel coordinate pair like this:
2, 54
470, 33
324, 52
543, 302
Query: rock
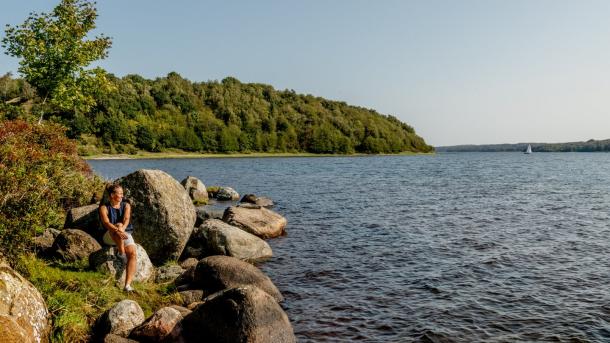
244, 314
85, 218
74, 245
183, 310
225, 239
105, 260
188, 263
23, 313
207, 212
196, 190
259, 221
11, 332
163, 213
168, 273
44, 242
191, 296
227, 193
121, 318
186, 277
162, 326
216, 273
111, 338
196, 246
194, 305
260, 201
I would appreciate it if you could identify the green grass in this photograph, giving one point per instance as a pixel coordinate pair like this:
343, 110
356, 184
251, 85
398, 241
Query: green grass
76, 297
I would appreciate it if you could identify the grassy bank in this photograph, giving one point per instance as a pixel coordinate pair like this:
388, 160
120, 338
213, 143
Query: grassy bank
76, 296
179, 154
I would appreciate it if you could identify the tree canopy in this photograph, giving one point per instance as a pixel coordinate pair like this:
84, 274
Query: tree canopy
228, 116
54, 52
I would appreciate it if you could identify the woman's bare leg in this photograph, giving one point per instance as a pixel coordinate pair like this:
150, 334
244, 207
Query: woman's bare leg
119, 242
131, 263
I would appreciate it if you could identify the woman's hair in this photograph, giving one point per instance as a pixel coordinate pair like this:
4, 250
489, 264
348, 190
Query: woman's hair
111, 188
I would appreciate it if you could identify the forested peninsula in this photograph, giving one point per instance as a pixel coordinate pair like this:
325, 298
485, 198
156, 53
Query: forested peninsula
591, 145
136, 114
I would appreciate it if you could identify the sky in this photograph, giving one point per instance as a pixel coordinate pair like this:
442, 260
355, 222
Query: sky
459, 72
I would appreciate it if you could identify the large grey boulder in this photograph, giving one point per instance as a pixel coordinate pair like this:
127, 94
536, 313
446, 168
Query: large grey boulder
256, 220
74, 245
23, 312
85, 218
106, 261
215, 273
244, 314
191, 296
224, 239
112, 338
120, 319
196, 190
163, 213
162, 326
227, 193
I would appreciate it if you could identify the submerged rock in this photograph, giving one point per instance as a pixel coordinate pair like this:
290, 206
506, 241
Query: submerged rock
256, 220
163, 213
227, 193
244, 314
260, 201
216, 273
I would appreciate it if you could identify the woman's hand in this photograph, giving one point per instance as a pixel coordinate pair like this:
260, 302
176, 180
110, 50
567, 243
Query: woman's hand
122, 234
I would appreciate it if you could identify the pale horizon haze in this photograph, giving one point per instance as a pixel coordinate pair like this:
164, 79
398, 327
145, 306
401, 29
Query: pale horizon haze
459, 72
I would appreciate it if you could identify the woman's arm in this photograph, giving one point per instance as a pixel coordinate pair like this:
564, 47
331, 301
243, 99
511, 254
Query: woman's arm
126, 215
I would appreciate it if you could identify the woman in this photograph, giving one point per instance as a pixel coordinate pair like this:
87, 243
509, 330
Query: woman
115, 215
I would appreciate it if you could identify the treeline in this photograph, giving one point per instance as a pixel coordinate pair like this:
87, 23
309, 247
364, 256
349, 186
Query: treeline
228, 116
588, 146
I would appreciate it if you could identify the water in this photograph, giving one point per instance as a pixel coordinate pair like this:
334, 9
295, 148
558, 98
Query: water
464, 247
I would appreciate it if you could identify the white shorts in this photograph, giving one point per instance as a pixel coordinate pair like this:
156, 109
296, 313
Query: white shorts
128, 241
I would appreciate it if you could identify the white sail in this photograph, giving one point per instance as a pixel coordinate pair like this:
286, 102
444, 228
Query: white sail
529, 149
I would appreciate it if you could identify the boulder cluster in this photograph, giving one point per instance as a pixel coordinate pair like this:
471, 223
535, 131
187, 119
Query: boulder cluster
224, 297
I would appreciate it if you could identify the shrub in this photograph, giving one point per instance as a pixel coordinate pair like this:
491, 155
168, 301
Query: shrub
41, 176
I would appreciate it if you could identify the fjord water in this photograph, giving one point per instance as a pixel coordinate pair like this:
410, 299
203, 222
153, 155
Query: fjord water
464, 247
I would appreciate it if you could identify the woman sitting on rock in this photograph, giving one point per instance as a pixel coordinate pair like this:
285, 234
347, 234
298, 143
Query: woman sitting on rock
115, 215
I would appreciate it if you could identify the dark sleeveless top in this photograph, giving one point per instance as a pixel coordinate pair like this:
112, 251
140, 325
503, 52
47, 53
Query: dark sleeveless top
115, 215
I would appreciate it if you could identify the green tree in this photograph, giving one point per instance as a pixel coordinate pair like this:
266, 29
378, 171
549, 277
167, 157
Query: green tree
54, 54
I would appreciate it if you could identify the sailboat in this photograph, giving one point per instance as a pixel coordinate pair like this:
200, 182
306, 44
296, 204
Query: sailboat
528, 150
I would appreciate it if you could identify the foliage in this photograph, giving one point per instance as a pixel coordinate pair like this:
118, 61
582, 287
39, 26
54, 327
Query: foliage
77, 297
40, 177
54, 52
174, 113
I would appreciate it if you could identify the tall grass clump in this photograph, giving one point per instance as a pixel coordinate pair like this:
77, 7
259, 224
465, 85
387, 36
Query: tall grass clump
41, 176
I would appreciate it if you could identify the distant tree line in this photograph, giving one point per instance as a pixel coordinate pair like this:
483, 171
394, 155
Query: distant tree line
588, 146
227, 116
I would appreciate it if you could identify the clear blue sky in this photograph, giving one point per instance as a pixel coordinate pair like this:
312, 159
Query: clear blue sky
460, 72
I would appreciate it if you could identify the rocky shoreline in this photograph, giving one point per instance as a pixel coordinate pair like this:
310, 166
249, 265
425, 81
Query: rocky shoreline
207, 257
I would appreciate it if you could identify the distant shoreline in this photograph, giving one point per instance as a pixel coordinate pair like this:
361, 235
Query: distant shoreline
163, 155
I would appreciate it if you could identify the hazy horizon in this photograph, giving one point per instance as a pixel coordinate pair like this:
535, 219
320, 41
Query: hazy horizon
473, 72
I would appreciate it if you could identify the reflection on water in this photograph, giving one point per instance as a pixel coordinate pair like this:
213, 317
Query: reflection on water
465, 247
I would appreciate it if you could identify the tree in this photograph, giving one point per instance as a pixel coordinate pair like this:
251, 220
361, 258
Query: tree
54, 53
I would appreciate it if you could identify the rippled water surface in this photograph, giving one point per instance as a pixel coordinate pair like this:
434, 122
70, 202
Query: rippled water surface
464, 247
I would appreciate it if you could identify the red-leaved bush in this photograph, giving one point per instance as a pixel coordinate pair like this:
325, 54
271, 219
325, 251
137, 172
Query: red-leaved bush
41, 176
